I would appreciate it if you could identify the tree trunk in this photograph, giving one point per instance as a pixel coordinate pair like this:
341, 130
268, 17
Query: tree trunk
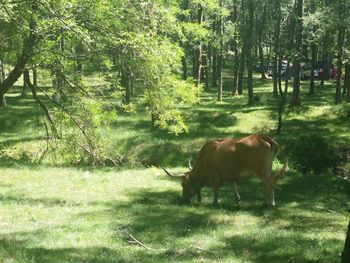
297, 58
268, 56
242, 59
283, 94
235, 70
2, 100
131, 80
275, 75
182, 18
58, 80
17, 71
26, 53
325, 64
78, 59
261, 25
35, 77
194, 63
2, 70
249, 52
236, 50
205, 67
26, 80
197, 51
206, 76
220, 57
209, 57
347, 81
125, 81
313, 67
215, 67
345, 257
184, 66
261, 57
241, 71
338, 95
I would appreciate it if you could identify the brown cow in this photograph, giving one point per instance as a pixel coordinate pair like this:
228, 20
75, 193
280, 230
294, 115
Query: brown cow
233, 160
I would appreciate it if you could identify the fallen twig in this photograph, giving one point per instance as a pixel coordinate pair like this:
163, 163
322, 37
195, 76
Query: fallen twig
325, 209
139, 243
205, 250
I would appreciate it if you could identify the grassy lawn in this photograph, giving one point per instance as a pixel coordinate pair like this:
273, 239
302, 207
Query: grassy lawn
74, 215
55, 213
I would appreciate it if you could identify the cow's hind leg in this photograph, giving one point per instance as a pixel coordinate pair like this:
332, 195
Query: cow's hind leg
216, 195
266, 177
270, 193
235, 192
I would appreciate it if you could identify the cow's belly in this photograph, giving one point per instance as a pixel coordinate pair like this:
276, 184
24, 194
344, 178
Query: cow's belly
242, 175
229, 176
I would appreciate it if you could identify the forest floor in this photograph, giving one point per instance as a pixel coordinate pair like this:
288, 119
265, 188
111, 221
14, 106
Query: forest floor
87, 215
51, 213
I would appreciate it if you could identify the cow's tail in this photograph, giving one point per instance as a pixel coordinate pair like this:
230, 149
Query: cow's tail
284, 168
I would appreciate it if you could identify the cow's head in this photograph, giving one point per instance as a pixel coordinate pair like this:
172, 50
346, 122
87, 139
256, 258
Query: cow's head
188, 190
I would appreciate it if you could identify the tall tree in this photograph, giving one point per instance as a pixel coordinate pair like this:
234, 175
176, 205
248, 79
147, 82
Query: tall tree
297, 53
340, 52
347, 81
235, 48
25, 55
260, 25
242, 59
250, 25
221, 53
345, 257
275, 73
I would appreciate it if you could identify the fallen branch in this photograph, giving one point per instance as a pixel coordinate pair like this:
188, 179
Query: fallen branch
325, 209
139, 243
205, 250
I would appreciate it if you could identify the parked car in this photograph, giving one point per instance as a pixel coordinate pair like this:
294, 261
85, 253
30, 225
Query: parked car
306, 72
284, 65
318, 70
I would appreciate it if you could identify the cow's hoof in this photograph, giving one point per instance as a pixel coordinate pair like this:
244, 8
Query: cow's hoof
268, 205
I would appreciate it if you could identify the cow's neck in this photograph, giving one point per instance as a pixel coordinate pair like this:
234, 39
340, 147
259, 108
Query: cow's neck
196, 181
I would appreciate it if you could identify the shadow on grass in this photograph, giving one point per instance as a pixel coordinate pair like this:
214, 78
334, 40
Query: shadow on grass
19, 250
174, 232
8, 199
18, 114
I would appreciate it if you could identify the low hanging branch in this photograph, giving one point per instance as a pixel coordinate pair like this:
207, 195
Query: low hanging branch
44, 108
91, 149
26, 54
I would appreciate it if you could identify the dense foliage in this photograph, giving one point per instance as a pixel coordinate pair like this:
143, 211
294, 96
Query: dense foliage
145, 50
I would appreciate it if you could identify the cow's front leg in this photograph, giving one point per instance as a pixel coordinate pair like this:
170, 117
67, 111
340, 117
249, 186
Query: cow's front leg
199, 196
216, 195
270, 193
235, 192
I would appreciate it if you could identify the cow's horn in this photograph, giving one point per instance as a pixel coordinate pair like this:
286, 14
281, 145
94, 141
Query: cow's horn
171, 175
189, 164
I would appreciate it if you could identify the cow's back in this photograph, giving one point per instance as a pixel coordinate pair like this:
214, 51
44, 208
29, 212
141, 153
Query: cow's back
240, 159
233, 159
205, 168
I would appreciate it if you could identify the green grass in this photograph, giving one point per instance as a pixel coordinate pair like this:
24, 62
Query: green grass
72, 215
82, 214
22, 135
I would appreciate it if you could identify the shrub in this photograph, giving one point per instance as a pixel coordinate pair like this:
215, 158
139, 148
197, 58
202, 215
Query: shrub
315, 153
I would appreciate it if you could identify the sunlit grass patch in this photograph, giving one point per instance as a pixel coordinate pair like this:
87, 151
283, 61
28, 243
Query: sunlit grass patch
68, 214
